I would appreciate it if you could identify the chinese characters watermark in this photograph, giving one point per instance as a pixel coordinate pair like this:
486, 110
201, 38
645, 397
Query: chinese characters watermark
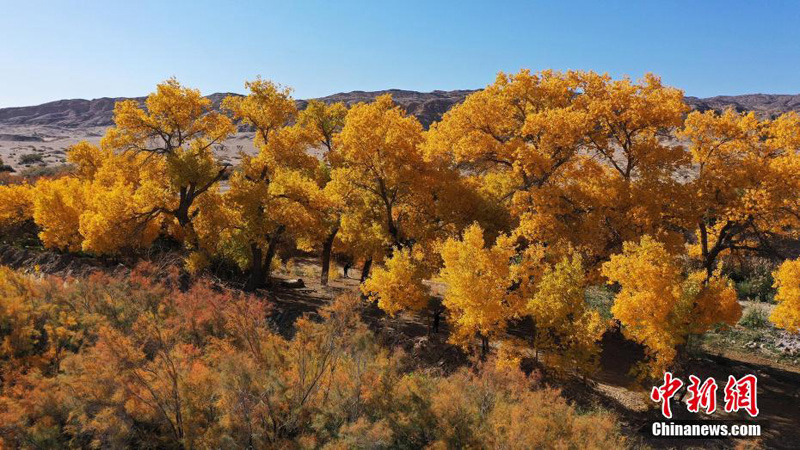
740, 394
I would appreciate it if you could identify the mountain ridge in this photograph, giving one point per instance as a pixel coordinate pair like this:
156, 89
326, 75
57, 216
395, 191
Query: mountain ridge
428, 107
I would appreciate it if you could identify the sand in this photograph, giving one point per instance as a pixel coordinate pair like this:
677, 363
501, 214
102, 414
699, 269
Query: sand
51, 142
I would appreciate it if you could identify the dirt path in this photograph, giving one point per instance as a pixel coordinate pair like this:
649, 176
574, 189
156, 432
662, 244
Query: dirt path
778, 396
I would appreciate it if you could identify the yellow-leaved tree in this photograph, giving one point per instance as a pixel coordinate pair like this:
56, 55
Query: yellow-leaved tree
121, 189
577, 160
627, 181
578, 164
57, 208
16, 205
514, 140
105, 206
155, 163
746, 187
398, 286
393, 197
787, 282
379, 169
478, 296
659, 306
566, 328
322, 122
275, 196
176, 127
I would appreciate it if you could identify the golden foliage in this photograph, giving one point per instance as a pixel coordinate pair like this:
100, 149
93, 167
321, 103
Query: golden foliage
178, 131
57, 208
378, 169
175, 116
747, 180
786, 314
576, 158
566, 327
659, 306
399, 285
108, 192
478, 281
561, 171
268, 107
323, 121
275, 195
16, 205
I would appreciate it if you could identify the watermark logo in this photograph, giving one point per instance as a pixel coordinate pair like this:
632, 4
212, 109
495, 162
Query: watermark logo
665, 392
740, 394
702, 395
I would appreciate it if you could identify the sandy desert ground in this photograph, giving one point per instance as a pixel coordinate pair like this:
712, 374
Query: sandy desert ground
52, 142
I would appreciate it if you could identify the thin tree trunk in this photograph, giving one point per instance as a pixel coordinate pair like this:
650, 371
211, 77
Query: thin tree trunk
365, 270
484, 346
437, 318
256, 265
327, 246
679, 364
271, 250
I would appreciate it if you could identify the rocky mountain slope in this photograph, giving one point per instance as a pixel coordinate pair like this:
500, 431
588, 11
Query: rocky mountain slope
766, 104
79, 113
75, 113
427, 106
38, 136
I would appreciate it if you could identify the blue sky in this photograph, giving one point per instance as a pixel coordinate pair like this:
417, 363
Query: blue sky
86, 49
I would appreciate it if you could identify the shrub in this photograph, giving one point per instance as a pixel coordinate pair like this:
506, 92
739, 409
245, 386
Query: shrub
31, 158
753, 279
132, 362
4, 167
787, 281
600, 298
502, 408
33, 173
754, 318
16, 205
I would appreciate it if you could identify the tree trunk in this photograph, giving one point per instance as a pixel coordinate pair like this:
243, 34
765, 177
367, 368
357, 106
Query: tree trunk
186, 224
184, 219
256, 266
679, 364
327, 246
346, 269
484, 346
437, 318
271, 250
365, 270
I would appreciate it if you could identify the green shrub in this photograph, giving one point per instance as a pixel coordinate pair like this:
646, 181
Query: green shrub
600, 298
31, 158
35, 172
754, 317
4, 167
753, 279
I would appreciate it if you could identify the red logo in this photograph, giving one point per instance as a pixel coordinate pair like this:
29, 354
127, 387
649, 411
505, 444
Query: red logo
702, 396
740, 394
665, 392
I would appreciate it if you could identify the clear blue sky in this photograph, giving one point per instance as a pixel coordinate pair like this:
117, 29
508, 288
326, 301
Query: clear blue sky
86, 49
